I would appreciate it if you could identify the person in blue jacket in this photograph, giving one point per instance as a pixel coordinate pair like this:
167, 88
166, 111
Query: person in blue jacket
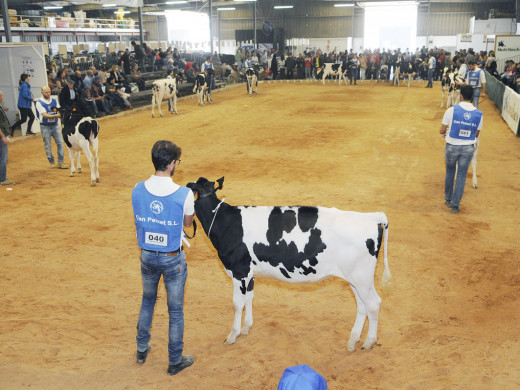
25, 101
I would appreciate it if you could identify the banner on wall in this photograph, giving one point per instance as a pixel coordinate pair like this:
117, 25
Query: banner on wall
466, 37
507, 46
511, 109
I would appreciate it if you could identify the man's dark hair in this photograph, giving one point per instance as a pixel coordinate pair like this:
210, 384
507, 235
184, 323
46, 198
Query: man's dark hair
472, 62
467, 92
461, 60
163, 153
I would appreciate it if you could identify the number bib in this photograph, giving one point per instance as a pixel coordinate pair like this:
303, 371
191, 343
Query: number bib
156, 239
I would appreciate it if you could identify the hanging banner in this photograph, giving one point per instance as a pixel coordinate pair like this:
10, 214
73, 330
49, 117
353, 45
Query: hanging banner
511, 109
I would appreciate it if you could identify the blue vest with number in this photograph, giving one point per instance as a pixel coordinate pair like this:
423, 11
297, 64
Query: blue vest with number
474, 78
47, 107
465, 123
158, 219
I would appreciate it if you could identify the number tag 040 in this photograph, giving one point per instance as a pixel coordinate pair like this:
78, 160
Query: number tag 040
156, 239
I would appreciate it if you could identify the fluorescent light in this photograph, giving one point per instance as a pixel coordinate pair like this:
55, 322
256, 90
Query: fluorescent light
175, 2
109, 5
282, 6
386, 3
121, 12
244, 1
53, 7
154, 13
226, 9
344, 5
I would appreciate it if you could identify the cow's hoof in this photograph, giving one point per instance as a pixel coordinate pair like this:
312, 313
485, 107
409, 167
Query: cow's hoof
244, 331
369, 343
93, 184
475, 186
352, 345
72, 174
97, 180
79, 170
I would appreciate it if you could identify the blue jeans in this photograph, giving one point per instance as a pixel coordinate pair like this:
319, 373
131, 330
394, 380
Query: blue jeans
476, 96
461, 155
174, 271
3, 161
430, 78
48, 132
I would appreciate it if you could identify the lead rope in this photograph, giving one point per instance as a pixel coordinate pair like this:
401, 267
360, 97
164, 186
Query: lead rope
215, 211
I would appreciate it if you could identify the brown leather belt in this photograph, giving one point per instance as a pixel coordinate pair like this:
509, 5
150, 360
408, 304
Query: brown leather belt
174, 253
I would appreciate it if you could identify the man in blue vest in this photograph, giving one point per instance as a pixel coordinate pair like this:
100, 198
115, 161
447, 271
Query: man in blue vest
476, 79
50, 127
460, 127
161, 209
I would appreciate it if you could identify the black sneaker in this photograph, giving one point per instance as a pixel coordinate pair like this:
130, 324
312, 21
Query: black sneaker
186, 361
141, 356
455, 210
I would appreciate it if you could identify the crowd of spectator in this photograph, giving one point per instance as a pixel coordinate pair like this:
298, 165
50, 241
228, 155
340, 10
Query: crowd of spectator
97, 92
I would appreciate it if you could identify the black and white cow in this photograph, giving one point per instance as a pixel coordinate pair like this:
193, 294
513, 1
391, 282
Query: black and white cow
296, 244
202, 86
448, 86
165, 89
252, 81
330, 69
80, 133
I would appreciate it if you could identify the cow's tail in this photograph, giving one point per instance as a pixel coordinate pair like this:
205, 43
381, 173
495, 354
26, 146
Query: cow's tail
386, 274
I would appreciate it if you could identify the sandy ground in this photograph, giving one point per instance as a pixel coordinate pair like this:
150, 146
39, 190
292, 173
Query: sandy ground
71, 287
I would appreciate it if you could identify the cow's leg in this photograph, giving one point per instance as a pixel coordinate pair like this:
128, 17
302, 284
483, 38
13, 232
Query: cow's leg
159, 104
78, 160
95, 158
72, 167
449, 102
239, 297
85, 146
443, 93
175, 102
361, 317
474, 165
153, 104
248, 316
324, 77
372, 303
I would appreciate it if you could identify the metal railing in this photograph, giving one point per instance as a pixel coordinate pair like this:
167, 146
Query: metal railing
56, 23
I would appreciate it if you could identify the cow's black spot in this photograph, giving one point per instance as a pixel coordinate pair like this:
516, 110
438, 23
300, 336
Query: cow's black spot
307, 217
251, 284
371, 245
278, 223
243, 287
286, 256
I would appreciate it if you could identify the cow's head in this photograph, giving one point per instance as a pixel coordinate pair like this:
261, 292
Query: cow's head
203, 187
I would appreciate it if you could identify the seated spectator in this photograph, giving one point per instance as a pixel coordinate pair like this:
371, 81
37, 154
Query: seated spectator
77, 77
89, 103
125, 96
89, 79
119, 78
137, 77
111, 93
103, 104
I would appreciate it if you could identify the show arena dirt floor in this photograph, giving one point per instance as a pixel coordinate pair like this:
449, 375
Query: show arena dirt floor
71, 284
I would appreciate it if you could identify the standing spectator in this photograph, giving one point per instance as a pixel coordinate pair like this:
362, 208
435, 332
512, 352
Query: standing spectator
68, 97
78, 82
461, 126
5, 129
125, 61
354, 66
362, 66
289, 66
274, 64
50, 127
431, 68
308, 64
166, 258
139, 54
25, 101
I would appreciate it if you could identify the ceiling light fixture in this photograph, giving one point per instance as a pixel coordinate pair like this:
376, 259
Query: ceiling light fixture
109, 5
244, 1
154, 13
53, 7
175, 2
226, 9
344, 5
282, 6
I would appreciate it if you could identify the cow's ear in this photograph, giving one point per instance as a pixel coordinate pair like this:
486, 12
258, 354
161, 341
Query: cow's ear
220, 183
